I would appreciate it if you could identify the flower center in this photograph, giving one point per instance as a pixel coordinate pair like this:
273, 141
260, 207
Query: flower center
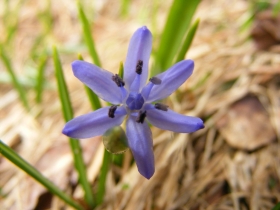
135, 101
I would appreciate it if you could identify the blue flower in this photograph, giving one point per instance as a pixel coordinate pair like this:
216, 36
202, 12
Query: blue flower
132, 99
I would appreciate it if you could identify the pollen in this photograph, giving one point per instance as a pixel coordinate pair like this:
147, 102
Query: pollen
141, 117
139, 67
161, 106
155, 80
112, 110
116, 78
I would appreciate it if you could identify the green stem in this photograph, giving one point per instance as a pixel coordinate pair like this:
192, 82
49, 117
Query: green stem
30, 170
74, 143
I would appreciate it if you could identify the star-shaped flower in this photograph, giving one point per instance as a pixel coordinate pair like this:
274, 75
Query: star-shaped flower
132, 98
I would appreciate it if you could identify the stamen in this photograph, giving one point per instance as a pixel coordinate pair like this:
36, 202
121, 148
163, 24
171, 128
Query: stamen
155, 80
141, 117
139, 67
162, 107
116, 78
112, 110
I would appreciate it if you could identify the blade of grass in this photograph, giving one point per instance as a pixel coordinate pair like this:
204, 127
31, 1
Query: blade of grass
87, 36
74, 144
276, 9
178, 21
124, 7
93, 98
276, 207
247, 23
40, 78
102, 177
12, 156
15, 82
11, 20
188, 41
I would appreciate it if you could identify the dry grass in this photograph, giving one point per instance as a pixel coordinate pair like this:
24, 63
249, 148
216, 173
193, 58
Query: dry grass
233, 163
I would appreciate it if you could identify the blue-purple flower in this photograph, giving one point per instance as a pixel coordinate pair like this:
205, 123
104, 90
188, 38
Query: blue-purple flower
132, 100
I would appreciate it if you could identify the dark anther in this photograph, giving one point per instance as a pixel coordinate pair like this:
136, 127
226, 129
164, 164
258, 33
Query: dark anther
112, 110
141, 117
155, 80
116, 78
162, 107
139, 67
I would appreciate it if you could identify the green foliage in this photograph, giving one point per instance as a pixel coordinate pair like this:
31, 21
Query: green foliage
276, 207
176, 26
8, 64
40, 78
124, 7
12, 156
87, 36
68, 115
188, 41
121, 70
102, 177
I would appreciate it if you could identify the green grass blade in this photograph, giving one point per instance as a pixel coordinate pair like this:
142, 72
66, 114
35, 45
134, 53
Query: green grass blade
62, 88
93, 98
12, 156
40, 78
276, 207
74, 144
20, 90
188, 41
276, 9
87, 36
102, 177
124, 7
178, 22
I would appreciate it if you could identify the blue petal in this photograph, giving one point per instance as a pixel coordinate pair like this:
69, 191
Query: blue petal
140, 142
98, 80
171, 79
93, 124
140, 47
170, 120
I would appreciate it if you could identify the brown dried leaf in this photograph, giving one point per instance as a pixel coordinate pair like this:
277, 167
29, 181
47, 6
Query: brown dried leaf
246, 125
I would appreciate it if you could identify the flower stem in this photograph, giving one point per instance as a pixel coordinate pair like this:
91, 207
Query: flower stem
12, 156
74, 144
